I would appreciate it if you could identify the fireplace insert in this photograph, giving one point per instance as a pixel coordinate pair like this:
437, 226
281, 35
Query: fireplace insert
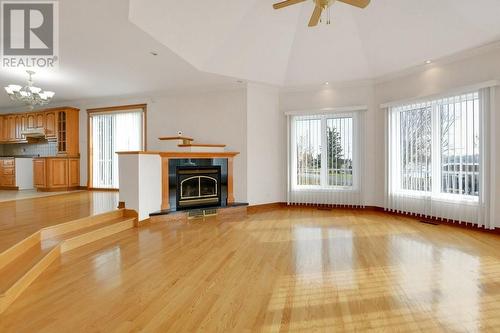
198, 186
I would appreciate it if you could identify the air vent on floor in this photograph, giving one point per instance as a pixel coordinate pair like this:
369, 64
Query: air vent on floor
200, 213
428, 222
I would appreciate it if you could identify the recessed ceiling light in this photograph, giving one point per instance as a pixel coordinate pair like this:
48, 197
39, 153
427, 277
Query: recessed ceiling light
327, 83
153, 53
428, 62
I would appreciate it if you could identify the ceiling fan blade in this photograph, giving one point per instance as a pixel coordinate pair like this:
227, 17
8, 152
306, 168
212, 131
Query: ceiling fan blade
286, 3
357, 3
315, 16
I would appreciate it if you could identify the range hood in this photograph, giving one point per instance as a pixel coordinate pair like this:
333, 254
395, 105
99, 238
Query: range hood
34, 133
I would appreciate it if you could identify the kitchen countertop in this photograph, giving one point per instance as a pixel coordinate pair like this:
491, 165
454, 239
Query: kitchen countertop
52, 157
18, 156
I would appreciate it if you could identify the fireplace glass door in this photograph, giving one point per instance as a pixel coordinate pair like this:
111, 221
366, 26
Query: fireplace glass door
198, 187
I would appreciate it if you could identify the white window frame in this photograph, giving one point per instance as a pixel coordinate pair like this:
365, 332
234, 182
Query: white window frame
435, 153
323, 176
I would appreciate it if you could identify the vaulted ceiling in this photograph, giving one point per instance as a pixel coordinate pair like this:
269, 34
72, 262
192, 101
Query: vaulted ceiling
250, 40
103, 54
105, 45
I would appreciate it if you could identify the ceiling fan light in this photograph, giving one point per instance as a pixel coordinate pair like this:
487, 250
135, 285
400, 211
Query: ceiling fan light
50, 94
23, 93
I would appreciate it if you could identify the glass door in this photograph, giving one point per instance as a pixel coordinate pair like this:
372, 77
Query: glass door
113, 132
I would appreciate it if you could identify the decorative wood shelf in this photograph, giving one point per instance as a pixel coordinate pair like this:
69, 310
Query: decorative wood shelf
182, 154
202, 145
185, 139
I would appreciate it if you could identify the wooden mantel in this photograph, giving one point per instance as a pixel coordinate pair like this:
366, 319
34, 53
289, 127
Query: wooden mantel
167, 155
183, 154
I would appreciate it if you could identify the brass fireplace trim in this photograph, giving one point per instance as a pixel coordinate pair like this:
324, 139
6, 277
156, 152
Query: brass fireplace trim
199, 188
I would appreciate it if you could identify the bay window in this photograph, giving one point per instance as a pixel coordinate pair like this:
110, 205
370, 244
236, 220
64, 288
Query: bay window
437, 157
438, 147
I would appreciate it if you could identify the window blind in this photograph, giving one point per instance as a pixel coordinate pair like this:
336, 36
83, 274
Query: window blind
436, 152
112, 132
324, 159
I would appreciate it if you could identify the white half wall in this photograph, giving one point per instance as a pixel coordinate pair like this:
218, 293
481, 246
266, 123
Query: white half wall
141, 183
266, 146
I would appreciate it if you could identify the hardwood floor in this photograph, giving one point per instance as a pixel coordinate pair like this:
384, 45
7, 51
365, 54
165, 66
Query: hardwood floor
19, 219
287, 270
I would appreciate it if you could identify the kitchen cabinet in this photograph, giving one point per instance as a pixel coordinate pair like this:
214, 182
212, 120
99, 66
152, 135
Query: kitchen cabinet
11, 121
68, 132
19, 128
31, 120
50, 124
61, 124
1, 128
8, 174
56, 173
39, 120
39, 178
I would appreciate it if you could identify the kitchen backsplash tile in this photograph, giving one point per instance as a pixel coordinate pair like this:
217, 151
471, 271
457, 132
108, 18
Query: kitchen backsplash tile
42, 149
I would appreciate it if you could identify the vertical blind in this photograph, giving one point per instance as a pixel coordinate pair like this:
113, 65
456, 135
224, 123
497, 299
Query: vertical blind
112, 132
324, 159
436, 153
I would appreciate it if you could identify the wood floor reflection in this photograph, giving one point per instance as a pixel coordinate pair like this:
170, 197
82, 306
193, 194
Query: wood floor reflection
21, 218
288, 270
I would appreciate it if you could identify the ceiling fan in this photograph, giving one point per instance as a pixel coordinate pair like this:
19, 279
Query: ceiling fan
320, 6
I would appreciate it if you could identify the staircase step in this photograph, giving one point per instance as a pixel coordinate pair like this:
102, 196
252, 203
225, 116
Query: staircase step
72, 226
95, 232
17, 275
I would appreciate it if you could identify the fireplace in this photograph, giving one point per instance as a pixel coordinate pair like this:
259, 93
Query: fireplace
198, 186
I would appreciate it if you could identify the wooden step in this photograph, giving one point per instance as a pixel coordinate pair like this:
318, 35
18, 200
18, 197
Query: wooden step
96, 232
29, 262
19, 274
80, 224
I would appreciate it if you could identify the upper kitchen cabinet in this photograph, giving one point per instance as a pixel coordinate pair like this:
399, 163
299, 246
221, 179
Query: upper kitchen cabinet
51, 124
1, 128
68, 138
61, 124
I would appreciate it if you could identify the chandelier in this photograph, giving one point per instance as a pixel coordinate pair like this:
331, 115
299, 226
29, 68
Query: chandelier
29, 94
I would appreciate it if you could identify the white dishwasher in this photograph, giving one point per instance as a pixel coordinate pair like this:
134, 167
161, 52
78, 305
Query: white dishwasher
24, 173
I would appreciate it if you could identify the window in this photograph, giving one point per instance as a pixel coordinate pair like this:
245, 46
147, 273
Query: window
110, 132
308, 148
322, 151
416, 154
437, 148
459, 145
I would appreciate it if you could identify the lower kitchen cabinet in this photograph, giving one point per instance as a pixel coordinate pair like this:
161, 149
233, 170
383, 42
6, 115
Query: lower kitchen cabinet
56, 173
8, 174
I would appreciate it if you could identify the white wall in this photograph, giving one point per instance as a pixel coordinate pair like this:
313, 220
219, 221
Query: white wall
437, 78
266, 146
337, 97
209, 117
